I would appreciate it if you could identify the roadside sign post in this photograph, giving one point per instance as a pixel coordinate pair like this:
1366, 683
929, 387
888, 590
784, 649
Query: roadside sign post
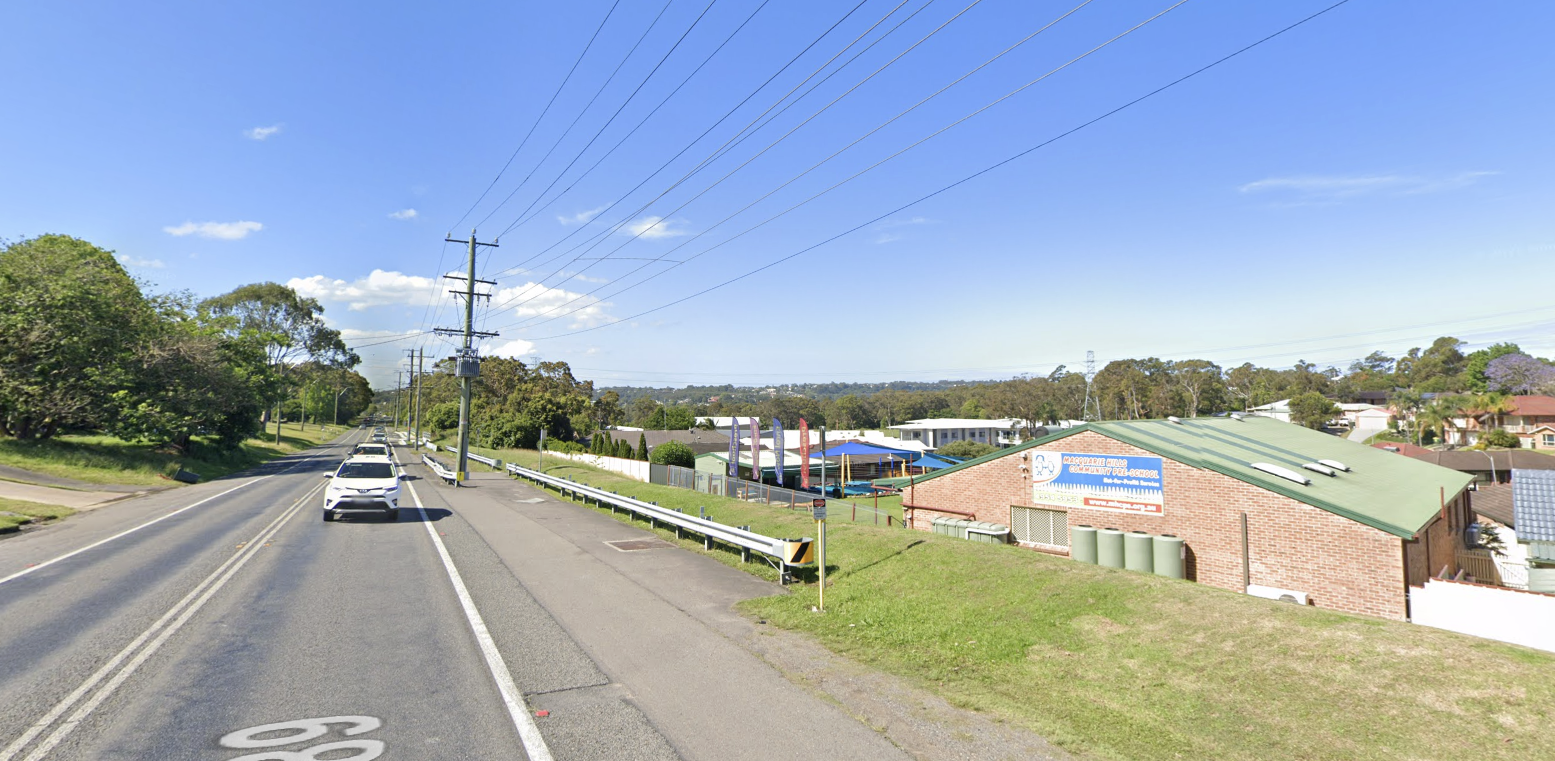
818, 509
540, 465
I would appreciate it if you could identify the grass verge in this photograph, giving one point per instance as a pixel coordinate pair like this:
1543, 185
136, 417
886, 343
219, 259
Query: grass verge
1127, 666
108, 460
15, 513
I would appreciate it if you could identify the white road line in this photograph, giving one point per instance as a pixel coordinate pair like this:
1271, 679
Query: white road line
183, 611
127, 532
528, 732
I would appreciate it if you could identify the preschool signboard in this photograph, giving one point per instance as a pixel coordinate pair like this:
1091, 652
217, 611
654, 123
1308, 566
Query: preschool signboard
1097, 481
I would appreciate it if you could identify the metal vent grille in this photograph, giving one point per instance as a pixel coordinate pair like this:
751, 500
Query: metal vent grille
1034, 524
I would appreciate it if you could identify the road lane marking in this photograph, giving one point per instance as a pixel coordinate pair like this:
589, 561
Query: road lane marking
528, 731
127, 532
178, 615
308, 729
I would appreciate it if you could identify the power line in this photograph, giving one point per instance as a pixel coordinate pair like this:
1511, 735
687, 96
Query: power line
541, 117
522, 219
748, 161
579, 117
877, 164
705, 132
961, 181
618, 111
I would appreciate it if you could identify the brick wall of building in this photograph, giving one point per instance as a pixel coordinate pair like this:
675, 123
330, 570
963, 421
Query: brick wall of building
1340, 564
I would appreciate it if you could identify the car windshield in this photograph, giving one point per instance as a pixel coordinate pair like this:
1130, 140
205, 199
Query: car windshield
366, 470
370, 450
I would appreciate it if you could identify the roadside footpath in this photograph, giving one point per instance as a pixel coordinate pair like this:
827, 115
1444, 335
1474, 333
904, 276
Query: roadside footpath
659, 621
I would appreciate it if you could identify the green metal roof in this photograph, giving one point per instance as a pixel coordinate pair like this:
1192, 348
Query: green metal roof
1395, 494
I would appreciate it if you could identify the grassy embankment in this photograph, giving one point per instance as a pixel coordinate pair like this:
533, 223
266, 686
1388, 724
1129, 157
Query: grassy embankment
1128, 666
15, 513
108, 460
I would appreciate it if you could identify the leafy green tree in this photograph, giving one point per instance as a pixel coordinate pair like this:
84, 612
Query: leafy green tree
1477, 363
443, 417
673, 453
190, 378
972, 409
642, 446
289, 326
607, 410
1437, 416
670, 418
623, 450
1312, 410
965, 449
70, 319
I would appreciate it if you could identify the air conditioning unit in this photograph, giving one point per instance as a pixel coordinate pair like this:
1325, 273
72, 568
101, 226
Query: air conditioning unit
1275, 593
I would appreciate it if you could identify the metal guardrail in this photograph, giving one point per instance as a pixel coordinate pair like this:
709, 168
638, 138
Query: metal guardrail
488, 461
437, 468
787, 552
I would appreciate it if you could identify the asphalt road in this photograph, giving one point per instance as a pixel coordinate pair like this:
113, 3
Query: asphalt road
228, 621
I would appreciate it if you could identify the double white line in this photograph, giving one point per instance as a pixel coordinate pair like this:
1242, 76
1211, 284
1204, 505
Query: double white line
111, 675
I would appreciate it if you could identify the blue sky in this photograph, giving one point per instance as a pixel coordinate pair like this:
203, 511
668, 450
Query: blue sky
1371, 179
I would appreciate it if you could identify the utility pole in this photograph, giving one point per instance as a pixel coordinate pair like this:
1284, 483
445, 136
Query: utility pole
421, 359
395, 422
467, 365
338, 394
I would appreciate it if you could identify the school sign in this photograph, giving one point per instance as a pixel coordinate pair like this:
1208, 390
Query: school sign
1097, 481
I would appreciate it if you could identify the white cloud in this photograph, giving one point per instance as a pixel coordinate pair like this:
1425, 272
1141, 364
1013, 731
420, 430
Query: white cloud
587, 279
581, 218
379, 288
1336, 187
655, 227
889, 224
261, 133
144, 264
533, 300
218, 230
517, 348
404, 214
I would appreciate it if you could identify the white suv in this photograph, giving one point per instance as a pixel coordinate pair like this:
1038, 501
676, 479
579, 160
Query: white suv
361, 486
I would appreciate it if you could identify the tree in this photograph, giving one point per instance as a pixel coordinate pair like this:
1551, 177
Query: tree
1518, 374
70, 318
643, 409
1437, 416
289, 326
674, 453
623, 450
1312, 410
444, 416
965, 448
1198, 378
971, 409
607, 410
642, 446
1476, 364
671, 418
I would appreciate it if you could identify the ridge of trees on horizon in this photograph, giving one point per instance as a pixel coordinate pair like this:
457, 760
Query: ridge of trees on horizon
1436, 382
86, 348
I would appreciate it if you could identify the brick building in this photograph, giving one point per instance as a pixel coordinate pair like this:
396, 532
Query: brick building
1349, 526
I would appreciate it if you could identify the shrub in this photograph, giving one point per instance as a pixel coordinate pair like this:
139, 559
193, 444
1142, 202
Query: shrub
1500, 437
673, 453
965, 449
642, 446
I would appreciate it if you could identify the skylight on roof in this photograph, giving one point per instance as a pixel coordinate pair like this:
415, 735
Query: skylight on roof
1335, 464
1317, 468
1282, 472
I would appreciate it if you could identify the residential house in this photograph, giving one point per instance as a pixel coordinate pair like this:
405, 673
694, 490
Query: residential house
937, 432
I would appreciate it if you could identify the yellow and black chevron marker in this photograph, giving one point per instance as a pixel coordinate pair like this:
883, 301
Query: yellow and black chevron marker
799, 551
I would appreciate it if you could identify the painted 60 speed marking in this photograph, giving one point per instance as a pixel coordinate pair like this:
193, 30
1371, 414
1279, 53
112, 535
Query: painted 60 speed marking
303, 730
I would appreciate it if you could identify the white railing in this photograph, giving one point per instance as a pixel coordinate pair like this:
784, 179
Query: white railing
787, 552
439, 470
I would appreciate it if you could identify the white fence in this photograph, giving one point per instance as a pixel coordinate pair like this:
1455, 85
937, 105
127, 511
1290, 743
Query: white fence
637, 470
1507, 615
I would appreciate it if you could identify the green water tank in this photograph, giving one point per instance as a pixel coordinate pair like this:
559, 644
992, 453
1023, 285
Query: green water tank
1109, 548
1082, 544
1170, 554
1137, 552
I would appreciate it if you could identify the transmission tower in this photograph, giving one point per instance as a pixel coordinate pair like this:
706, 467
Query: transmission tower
1092, 407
